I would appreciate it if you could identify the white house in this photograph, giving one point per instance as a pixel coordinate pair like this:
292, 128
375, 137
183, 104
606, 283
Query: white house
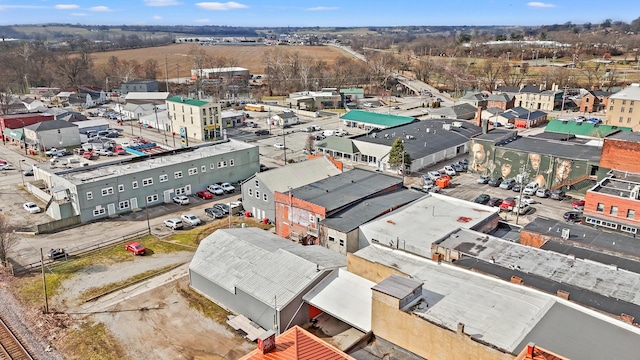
54, 133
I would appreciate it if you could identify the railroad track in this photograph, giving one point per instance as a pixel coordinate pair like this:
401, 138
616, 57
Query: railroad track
10, 346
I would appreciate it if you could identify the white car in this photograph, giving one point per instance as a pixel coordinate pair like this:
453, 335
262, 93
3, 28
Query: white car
521, 209
227, 188
31, 207
279, 145
449, 170
181, 199
528, 200
104, 152
430, 189
191, 219
215, 189
530, 189
340, 132
6, 166
173, 223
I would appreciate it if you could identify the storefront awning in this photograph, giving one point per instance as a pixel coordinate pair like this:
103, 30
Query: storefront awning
15, 134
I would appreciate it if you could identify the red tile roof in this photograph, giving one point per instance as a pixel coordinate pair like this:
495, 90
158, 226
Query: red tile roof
299, 344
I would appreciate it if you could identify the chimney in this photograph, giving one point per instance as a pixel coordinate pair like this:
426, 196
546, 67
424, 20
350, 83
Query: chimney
485, 126
530, 349
479, 116
267, 341
460, 329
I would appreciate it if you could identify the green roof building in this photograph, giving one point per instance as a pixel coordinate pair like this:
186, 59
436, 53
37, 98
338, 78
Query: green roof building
583, 129
371, 120
197, 119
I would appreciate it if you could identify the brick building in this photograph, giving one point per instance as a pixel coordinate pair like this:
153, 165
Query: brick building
18, 121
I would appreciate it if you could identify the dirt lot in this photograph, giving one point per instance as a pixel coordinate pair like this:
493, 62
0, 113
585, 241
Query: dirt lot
250, 57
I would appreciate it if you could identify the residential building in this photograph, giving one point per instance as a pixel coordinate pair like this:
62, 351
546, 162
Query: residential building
65, 114
98, 96
621, 106
157, 98
195, 118
81, 100
34, 105
534, 97
258, 190
109, 189
463, 111
284, 119
517, 116
593, 101
502, 101
136, 111
144, 86
260, 276
371, 120
52, 134
299, 211
475, 99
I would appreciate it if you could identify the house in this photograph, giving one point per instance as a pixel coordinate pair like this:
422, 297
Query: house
43, 92
475, 99
502, 101
299, 211
621, 104
98, 96
459, 111
63, 96
52, 134
194, 118
34, 105
593, 101
157, 119
371, 120
524, 118
259, 275
108, 189
144, 86
81, 100
156, 98
258, 190
284, 119
534, 97
136, 111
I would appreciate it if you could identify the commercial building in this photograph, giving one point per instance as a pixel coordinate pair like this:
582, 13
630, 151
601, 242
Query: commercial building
463, 111
195, 119
18, 121
52, 134
582, 129
259, 275
97, 191
621, 104
373, 121
138, 86
228, 75
137, 97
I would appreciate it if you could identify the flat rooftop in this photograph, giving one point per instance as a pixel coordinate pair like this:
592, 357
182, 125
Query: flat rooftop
563, 149
507, 315
616, 187
416, 226
133, 165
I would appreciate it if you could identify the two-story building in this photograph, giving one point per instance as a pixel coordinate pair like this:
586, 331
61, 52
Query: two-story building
196, 118
621, 106
594, 101
502, 101
139, 86
535, 97
52, 134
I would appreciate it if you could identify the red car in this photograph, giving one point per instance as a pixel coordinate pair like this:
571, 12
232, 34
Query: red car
204, 194
135, 248
508, 204
578, 204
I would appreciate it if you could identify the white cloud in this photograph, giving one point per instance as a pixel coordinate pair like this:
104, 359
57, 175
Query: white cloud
540, 4
79, 14
202, 20
322, 8
66, 6
161, 2
217, 6
100, 9
156, 17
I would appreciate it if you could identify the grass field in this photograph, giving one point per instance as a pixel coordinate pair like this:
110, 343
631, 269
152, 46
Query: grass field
250, 57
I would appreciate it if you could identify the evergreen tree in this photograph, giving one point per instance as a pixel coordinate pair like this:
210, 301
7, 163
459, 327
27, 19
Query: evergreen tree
396, 154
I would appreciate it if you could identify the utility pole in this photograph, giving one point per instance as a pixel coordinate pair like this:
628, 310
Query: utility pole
284, 144
44, 283
166, 73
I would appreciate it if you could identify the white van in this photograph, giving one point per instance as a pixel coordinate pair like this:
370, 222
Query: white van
328, 133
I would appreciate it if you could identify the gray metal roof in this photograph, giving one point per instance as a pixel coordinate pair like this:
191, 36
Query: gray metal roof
369, 209
426, 137
626, 136
563, 149
298, 174
499, 97
337, 191
495, 134
51, 125
264, 265
397, 286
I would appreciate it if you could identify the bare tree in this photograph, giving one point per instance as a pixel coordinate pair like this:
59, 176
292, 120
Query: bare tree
8, 239
309, 144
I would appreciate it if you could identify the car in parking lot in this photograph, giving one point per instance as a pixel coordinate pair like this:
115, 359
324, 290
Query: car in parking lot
558, 194
464, 163
55, 254
136, 248
318, 137
482, 199
227, 188
28, 172
215, 189
261, 132
483, 179
526, 199
495, 182
340, 132
507, 184
430, 189
279, 146
191, 219
521, 209
457, 167
396, 107
31, 207
543, 193
530, 189
516, 188
181, 199
173, 223
214, 212
426, 181
104, 152
449, 170
51, 152
6, 166
578, 204
434, 175
222, 207
572, 216
507, 204
494, 202
204, 194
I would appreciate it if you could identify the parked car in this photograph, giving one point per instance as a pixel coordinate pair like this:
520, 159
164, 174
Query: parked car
318, 137
483, 179
464, 163
516, 188
136, 248
457, 167
31, 207
495, 182
55, 254
449, 170
104, 152
508, 204
222, 207
430, 189
530, 189
543, 193
181, 199
572, 216
509, 126
434, 175
215, 189
558, 194
28, 172
521, 209
261, 132
6, 167
227, 188
340, 132
214, 212
507, 184
426, 181
279, 146
173, 223
494, 202
482, 199
204, 194
61, 153
526, 199
578, 204
191, 219
51, 152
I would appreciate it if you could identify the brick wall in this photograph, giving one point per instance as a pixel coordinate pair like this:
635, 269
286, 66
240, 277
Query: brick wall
293, 216
533, 239
620, 155
593, 198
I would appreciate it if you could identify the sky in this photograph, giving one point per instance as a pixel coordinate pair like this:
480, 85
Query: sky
322, 13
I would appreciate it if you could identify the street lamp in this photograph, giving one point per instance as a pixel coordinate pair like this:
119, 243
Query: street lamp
21, 173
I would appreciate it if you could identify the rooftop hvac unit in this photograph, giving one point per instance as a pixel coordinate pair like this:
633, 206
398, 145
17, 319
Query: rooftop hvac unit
410, 137
428, 130
456, 124
446, 126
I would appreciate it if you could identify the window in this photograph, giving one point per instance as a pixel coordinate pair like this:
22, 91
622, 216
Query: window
203, 168
628, 229
89, 195
632, 102
107, 191
180, 191
163, 178
120, 187
213, 166
134, 185
177, 174
631, 214
257, 194
193, 171
312, 219
622, 110
152, 198
98, 212
630, 110
123, 205
624, 102
257, 183
620, 120
147, 181
250, 192
341, 242
586, 99
232, 162
331, 238
628, 120
600, 207
610, 107
265, 197
222, 163
613, 211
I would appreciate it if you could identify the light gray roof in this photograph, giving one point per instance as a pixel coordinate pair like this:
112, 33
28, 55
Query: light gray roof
499, 97
145, 107
631, 92
146, 96
470, 95
397, 286
261, 263
91, 123
298, 174
51, 125
335, 192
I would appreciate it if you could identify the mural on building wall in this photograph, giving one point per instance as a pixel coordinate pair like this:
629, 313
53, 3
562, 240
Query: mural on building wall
481, 158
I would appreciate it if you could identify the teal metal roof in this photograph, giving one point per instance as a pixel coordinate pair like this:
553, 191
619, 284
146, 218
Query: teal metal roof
376, 118
352, 91
584, 128
335, 143
188, 101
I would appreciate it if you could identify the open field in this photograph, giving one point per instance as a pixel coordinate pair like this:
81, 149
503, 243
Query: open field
250, 57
